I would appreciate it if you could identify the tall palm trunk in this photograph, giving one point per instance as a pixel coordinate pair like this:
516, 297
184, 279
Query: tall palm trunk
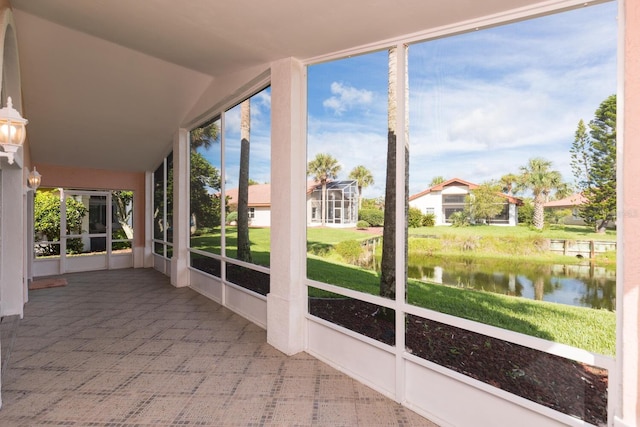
388, 262
388, 274
538, 211
244, 245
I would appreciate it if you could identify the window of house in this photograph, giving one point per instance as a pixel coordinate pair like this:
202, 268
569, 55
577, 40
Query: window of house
162, 208
206, 205
220, 211
476, 102
93, 222
346, 167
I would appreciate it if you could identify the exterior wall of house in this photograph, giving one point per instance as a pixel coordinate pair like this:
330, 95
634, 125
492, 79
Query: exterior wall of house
13, 195
431, 202
13, 198
513, 214
261, 216
452, 190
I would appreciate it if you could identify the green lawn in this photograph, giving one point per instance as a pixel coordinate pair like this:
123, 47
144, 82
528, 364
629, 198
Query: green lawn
260, 243
552, 232
590, 329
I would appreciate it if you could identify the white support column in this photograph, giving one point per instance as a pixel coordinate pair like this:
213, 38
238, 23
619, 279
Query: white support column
12, 280
180, 226
143, 257
627, 385
286, 303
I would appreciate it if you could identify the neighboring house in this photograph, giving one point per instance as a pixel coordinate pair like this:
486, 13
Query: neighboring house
572, 202
341, 208
341, 204
259, 204
448, 197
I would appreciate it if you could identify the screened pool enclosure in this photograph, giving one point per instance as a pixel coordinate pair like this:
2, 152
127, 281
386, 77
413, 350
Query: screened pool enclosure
341, 204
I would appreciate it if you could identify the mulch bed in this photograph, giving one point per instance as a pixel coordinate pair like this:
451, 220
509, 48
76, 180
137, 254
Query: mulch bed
247, 278
569, 387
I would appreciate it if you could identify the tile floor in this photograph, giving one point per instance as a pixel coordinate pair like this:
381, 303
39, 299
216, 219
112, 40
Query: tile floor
125, 348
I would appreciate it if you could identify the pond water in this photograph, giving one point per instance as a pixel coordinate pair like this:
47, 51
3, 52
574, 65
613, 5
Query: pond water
578, 285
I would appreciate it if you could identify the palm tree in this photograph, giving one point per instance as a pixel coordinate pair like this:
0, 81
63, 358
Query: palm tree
538, 177
201, 137
244, 245
388, 261
322, 168
205, 136
364, 178
436, 180
509, 183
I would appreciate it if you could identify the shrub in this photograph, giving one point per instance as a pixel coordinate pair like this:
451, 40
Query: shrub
459, 219
349, 250
231, 217
429, 220
375, 217
415, 218
525, 213
362, 224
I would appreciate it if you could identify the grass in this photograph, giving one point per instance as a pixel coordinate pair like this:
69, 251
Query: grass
570, 232
320, 241
514, 243
260, 243
589, 329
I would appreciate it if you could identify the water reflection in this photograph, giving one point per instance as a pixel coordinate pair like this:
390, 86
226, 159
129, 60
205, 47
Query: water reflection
578, 285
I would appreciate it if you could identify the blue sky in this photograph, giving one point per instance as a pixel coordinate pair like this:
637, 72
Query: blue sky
481, 103
260, 142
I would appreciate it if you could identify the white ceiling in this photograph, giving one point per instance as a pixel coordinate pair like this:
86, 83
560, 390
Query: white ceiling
106, 83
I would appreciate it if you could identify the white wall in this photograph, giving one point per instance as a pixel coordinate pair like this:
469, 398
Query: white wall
262, 217
433, 201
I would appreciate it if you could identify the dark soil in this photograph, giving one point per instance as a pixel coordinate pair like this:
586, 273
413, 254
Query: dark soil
247, 278
569, 387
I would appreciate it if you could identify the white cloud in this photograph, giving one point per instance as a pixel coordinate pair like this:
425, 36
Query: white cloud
346, 98
481, 104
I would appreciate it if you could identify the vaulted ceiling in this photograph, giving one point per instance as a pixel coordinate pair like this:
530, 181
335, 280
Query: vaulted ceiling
106, 83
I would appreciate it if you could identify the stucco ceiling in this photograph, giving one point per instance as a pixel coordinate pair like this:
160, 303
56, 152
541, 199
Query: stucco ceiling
106, 83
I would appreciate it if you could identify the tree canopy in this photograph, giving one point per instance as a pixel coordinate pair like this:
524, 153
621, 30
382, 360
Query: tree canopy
363, 177
437, 180
593, 162
538, 177
205, 192
205, 136
123, 202
485, 202
205, 185
322, 168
